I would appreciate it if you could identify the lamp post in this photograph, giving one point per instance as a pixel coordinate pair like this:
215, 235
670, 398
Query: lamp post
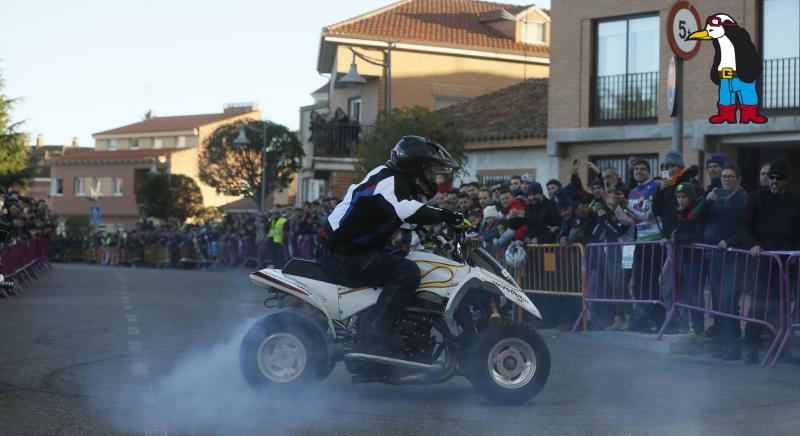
243, 140
166, 159
353, 78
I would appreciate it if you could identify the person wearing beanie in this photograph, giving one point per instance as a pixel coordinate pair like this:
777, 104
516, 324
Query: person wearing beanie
541, 216
673, 158
714, 165
769, 221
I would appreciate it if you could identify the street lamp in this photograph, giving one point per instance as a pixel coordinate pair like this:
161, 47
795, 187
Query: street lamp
353, 78
243, 140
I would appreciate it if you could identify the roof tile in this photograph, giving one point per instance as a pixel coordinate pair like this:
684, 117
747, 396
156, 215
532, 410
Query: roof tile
452, 23
173, 124
516, 112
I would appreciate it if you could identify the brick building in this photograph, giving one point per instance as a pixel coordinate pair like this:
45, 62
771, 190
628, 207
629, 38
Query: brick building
43, 187
614, 54
123, 158
443, 52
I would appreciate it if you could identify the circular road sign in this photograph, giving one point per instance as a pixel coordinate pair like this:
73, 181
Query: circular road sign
682, 21
672, 82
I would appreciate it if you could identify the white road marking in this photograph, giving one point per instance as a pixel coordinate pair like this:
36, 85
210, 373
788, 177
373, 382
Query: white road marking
127, 307
133, 331
131, 318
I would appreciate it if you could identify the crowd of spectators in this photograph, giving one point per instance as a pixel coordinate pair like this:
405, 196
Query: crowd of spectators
643, 205
23, 217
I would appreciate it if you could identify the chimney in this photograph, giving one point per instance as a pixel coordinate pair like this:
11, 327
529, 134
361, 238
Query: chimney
76, 142
39, 140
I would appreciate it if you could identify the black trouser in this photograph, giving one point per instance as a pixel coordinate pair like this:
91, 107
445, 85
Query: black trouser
398, 276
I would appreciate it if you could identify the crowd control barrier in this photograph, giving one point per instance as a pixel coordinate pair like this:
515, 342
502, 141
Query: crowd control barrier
23, 262
553, 270
743, 288
624, 273
791, 296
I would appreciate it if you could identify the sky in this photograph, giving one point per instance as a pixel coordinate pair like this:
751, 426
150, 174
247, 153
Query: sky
80, 67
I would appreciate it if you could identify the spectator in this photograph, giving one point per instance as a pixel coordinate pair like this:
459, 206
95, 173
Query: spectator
769, 222
552, 185
687, 230
542, 220
485, 198
714, 165
464, 203
515, 185
719, 214
763, 178
488, 230
647, 259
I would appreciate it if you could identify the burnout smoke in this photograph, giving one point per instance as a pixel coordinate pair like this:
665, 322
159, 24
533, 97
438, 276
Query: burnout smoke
205, 392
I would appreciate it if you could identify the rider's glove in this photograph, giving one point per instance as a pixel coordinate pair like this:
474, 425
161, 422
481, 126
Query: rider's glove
456, 220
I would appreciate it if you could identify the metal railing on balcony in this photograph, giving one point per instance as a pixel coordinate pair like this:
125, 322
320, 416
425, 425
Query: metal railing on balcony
332, 139
780, 86
625, 99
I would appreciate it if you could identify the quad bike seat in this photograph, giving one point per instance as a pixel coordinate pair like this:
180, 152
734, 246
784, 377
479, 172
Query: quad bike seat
308, 269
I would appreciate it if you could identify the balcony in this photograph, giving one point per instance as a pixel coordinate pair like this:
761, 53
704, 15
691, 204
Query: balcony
780, 86
332, 139
625, 99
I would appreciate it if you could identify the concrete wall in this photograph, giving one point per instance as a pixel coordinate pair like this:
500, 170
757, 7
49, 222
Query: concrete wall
532, 159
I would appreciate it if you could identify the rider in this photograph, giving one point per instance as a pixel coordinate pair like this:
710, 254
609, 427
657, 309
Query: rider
357, 231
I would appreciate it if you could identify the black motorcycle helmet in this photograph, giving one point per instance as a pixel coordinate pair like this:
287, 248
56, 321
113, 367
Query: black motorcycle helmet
421, 159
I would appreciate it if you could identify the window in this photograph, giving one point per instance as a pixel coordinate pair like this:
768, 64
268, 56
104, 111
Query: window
626, 71
158, 143
781, 49
533, 32
620, 163
488, 177
354, 109
56, 187
117, 185
112, 144
134, 144
80, 187
443, 102
181, 142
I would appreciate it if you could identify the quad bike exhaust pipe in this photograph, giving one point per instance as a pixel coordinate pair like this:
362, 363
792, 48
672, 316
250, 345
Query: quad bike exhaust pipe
389, 361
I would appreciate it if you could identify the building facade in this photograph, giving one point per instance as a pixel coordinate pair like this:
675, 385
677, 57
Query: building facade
609, 82
124, 157
439, 53
43, 186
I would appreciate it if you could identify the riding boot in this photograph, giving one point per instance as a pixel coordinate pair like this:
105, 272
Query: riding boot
750, 114
727, 114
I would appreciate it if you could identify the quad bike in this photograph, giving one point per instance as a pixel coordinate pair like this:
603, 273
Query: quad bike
459, 323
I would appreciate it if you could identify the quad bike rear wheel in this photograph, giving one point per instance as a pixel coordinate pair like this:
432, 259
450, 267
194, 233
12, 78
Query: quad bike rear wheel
284, 354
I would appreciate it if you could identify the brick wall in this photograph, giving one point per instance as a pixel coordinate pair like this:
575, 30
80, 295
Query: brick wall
340, 181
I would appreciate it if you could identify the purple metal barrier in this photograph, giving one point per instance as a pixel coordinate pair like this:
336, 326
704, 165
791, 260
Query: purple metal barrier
625, 273
732, 275
305, 247
791, 294
24, 261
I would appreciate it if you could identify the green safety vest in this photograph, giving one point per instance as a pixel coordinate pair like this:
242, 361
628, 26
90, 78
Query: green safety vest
276, 230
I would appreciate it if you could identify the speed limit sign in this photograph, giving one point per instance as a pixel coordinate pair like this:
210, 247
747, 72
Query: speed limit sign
682, 21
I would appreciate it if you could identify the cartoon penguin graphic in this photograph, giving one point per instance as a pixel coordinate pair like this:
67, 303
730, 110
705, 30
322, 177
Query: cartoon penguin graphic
736, 69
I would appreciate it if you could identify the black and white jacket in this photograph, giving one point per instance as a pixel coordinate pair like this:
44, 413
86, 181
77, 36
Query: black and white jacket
374, 209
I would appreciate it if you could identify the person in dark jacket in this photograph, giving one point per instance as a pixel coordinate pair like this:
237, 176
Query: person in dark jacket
719, 213
687, 231
541, 216
770, 222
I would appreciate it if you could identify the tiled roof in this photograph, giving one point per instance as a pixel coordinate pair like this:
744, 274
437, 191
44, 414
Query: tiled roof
242, 204
449, 23
519, 111
173, 124
46, 153
114, 155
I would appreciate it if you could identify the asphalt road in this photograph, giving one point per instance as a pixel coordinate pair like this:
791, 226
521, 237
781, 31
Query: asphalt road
94, 350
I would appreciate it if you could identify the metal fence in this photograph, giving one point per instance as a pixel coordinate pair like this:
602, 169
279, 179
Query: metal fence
23, 262
338, 140
780, 87
625, 99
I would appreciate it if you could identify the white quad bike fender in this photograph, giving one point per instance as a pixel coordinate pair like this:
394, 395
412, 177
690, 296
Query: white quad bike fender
274, 278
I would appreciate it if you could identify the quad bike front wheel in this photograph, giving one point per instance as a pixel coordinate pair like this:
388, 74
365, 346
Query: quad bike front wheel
282, 354
508, 364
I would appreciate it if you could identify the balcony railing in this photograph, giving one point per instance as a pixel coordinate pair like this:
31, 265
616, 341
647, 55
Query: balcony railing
625, 99
780, 86
332, 139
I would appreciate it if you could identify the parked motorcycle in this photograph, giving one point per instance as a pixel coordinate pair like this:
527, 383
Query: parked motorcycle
459, 323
